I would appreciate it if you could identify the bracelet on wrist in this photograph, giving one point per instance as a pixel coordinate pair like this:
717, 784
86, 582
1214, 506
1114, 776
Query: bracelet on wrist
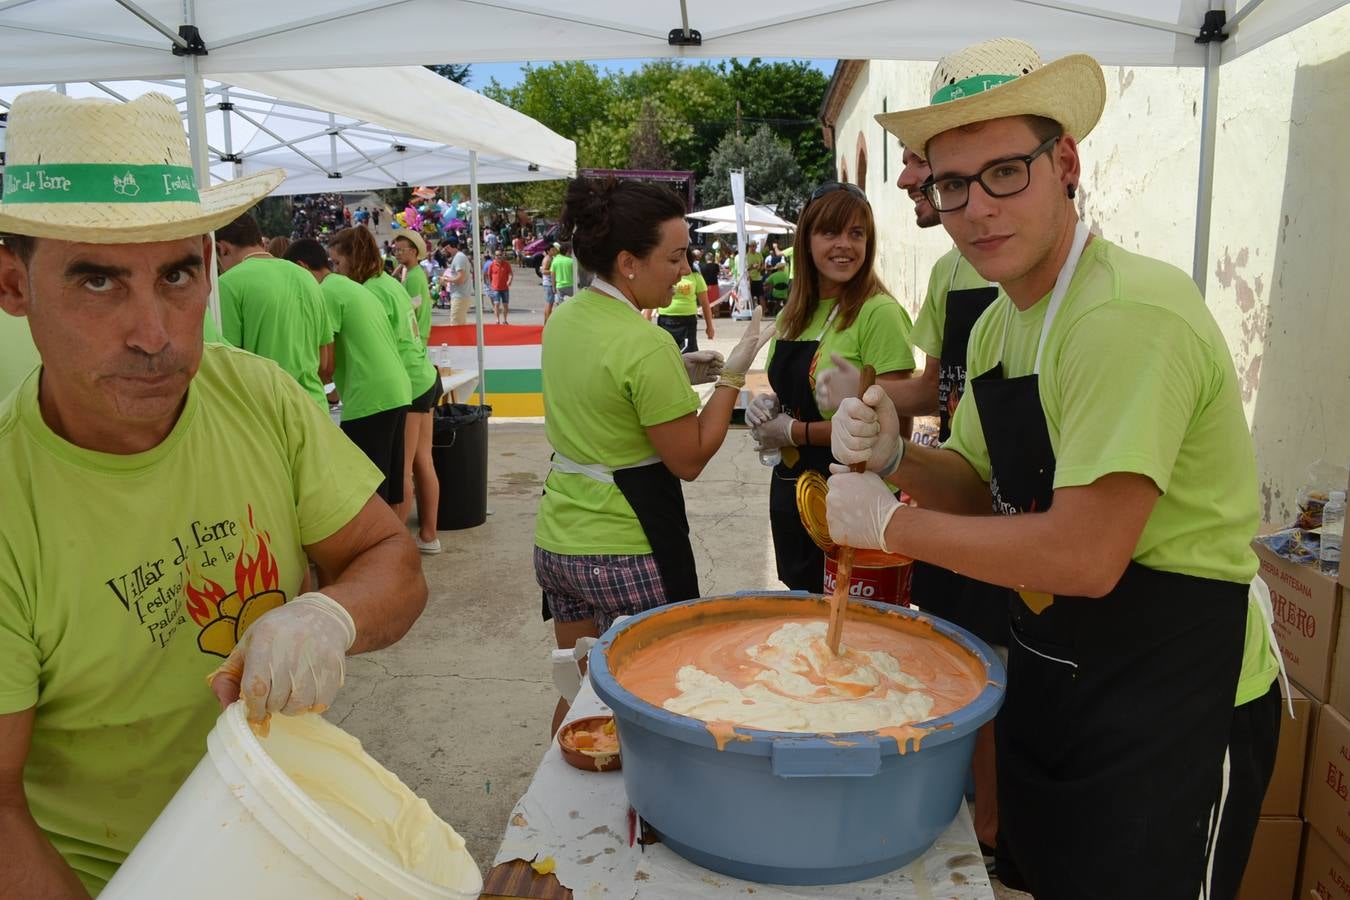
734, 380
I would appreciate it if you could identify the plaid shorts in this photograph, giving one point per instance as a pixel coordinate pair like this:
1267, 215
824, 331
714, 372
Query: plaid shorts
598, 587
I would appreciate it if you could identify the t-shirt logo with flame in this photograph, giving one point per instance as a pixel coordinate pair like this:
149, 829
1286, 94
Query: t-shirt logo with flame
225, 617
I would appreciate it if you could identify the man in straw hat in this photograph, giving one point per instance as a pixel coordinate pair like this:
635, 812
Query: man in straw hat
1103, 422
160, 499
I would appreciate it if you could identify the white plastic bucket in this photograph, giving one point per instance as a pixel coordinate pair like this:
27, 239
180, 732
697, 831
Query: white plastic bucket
240, 826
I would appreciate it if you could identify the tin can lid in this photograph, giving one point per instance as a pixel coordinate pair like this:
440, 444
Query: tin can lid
812, 489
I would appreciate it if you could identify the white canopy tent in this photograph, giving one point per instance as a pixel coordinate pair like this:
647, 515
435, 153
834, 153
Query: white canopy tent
730, 228
760, 217
67, 40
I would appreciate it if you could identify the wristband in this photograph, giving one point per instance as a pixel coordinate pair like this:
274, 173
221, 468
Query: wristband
732, 380
893, 463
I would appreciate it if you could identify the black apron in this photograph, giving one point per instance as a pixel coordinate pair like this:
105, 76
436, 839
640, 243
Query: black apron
974, 605
801, 564
1112, 737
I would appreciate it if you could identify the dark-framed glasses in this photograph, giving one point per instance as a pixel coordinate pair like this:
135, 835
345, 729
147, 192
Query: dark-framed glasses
1001, 178
830, 187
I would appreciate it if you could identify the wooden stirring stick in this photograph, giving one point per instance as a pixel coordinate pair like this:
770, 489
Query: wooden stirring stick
844, 564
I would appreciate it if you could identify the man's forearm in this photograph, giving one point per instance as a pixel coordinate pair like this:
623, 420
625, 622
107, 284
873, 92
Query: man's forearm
917, 395
942, 480
30, 865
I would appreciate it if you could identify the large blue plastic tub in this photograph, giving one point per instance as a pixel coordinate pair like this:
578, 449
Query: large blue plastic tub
788, 808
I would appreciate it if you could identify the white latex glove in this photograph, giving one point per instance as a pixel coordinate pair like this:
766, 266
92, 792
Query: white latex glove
858, 508
290, 660
742, 356
761, 409
868, 431
775, 433
703, 366
834, 386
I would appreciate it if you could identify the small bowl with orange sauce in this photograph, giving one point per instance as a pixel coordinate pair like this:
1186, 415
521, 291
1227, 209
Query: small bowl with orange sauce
591, 744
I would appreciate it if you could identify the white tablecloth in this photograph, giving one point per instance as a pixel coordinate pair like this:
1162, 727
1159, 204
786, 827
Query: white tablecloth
580, 819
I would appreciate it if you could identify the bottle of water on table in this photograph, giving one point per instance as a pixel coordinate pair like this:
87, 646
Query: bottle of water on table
1333, 526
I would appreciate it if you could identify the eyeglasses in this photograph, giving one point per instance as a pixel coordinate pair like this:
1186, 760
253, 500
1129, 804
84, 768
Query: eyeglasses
830, 187
1002, 178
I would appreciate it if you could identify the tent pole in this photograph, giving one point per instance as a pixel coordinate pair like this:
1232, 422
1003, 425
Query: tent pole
477, 236
1209, 123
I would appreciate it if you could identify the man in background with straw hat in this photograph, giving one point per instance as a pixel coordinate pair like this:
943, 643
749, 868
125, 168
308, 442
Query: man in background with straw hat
1103, 422
160, 499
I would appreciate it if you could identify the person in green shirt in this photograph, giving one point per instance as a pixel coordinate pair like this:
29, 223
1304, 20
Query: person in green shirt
611, 536
1103, 426
270, 308
355, 255
776, 288
839, 308
564, 269
754, 270
410, 249
370, 377
680, 316
162, 502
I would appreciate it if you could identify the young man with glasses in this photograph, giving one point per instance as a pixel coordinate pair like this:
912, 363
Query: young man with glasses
1105, 428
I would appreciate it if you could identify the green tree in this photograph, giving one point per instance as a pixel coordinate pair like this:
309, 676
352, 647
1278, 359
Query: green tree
567, 97
772, 175
785, 96
274, 215
456, 72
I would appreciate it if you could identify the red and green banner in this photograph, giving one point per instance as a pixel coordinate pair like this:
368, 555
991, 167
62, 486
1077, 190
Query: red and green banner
510, 360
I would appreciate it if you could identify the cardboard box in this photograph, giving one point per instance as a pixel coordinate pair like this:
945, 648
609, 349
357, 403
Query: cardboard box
1272, 867
1340, 664
1327, 803
1307, 606
1284, 796
1322, 875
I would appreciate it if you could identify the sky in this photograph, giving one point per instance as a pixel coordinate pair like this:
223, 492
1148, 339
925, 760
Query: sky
508, 74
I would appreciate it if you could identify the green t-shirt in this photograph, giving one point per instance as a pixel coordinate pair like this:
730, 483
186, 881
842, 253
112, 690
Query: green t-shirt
125, 578
951, 273
684, 302
754, 265
402, 321
368, 372
564, 271
18, 353
878, 337
419, 294
273, 308
777, 284
1135, 377
608, 375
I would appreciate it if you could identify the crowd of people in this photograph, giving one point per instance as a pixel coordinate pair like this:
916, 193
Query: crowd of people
318, 215
1088, 512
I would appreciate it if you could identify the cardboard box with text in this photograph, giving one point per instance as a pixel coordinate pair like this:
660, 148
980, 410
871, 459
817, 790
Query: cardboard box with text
1307, 607
1322, 875
1326, 805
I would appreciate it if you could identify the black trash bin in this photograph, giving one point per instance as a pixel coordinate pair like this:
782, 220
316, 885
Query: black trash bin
459, 448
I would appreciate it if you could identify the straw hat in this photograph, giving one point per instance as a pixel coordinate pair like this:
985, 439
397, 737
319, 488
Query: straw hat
999, 78
104, 172
416, 240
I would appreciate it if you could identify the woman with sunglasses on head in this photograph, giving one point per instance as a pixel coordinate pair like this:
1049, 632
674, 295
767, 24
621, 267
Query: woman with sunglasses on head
837, 305
611, 536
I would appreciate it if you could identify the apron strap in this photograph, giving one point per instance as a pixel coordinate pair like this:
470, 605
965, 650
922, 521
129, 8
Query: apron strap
594, 471
1080, 237
1259, 596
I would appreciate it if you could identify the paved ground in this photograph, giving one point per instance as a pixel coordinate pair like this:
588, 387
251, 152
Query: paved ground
460, 707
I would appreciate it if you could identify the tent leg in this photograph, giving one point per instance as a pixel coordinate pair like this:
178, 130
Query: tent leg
474, 227
1209, 123
201, 168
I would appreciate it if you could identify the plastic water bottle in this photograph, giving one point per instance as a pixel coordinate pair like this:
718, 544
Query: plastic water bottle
770, 457
1333, 524
443, 355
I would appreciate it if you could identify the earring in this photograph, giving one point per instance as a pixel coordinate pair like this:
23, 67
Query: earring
1071, 191
631, 276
